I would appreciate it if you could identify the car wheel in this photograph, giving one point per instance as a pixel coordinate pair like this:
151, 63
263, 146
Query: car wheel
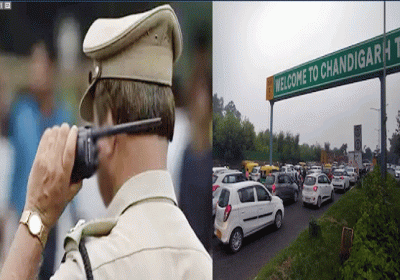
278, 219
319, 202
332, 196
236, 240
296, 196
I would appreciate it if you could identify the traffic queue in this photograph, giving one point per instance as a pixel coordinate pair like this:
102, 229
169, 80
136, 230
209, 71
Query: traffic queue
251, 198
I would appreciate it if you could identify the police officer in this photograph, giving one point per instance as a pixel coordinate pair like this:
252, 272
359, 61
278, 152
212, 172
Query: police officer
145, 236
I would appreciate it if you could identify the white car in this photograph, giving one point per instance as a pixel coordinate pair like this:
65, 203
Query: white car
287, 169
317, 167
340, 180
255, 174
219, 169
313, 171
397, 172
352, 174
317, 189
222, 179
244, 208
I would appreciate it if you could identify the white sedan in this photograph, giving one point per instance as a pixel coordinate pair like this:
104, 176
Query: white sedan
340, 180
317, 189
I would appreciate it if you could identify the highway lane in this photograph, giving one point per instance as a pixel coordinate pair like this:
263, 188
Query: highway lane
262, 246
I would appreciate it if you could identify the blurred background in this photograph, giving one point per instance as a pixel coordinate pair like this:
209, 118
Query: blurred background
43, 74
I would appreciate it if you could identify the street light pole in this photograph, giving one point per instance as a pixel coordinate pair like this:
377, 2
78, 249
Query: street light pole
383, 101
379, 130
379, 137
271, 135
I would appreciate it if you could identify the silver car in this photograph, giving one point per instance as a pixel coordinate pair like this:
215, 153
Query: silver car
282, 185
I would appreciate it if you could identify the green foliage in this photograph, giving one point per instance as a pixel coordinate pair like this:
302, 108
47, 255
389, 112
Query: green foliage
249, 135
262, 142
367, 154
376, 247
228, 139
231, 108
395, 139
343, 149
235, 139
310, 153
218, 105
372, 209
317, 258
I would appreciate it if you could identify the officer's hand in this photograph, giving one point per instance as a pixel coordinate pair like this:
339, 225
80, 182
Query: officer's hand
49, 188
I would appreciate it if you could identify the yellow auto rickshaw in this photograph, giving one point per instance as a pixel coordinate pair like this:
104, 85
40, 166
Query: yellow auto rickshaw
266, 170
248, 165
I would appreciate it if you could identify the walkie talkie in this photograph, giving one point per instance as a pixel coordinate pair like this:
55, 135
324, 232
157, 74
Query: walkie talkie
86, 154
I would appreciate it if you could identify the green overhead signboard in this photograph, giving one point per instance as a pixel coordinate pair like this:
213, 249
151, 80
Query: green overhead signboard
355, 63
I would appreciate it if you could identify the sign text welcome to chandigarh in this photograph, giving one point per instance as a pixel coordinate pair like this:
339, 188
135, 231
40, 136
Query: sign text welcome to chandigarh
355, 63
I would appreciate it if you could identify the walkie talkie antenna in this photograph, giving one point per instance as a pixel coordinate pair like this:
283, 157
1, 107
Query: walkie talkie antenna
132, 127
86, 160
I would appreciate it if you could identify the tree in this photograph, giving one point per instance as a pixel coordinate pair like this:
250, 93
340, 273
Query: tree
395, 140
308, 153
249, 135
343, 149
368, 153
232, 108
327, 147
228, 137
262, 142
218, 105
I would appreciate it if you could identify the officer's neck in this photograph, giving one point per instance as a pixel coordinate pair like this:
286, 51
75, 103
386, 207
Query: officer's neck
137, 154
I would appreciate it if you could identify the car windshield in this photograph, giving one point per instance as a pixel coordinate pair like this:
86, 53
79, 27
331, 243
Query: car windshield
398, 168
338, 173
223, 198
350, 169
215, 177
309, 181
270, 180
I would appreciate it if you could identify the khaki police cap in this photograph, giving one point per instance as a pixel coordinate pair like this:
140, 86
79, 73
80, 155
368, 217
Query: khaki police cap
139, 47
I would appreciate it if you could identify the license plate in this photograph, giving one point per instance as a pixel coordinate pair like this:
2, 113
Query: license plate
219, 234
337, 179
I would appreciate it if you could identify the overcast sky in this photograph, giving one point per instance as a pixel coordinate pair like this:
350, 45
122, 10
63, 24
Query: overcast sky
255, 40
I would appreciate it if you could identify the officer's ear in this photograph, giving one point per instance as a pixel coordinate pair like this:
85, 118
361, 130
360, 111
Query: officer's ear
106, 145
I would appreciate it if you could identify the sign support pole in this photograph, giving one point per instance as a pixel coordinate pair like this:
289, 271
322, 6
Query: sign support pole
271, 102
383, 101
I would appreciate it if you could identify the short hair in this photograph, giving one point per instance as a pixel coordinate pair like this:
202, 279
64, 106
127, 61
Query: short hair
131, 100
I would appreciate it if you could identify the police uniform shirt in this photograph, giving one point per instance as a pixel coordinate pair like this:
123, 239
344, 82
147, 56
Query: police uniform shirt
145, 236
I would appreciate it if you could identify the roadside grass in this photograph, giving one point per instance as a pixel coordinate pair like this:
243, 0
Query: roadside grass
318, 257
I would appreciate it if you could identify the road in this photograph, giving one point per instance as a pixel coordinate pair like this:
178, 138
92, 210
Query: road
262, 246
